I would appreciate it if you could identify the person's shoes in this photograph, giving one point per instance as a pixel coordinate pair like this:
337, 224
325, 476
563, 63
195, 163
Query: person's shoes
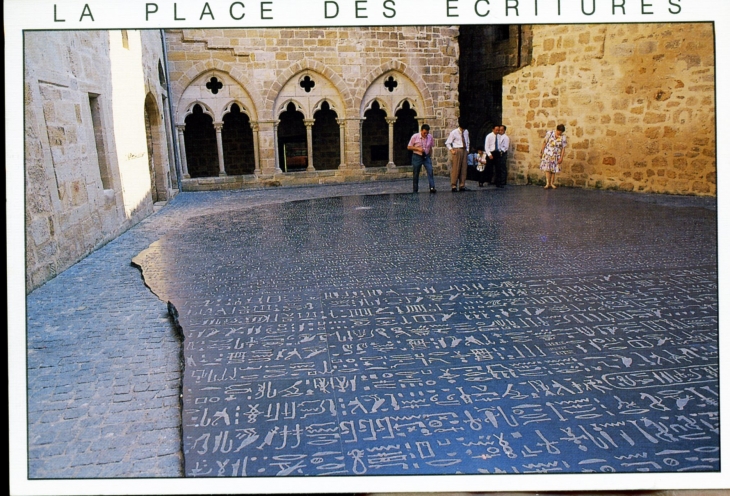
481, 185
453, 190
433, 190
463, 188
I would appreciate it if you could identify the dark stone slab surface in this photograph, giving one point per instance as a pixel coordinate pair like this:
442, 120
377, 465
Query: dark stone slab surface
513, 331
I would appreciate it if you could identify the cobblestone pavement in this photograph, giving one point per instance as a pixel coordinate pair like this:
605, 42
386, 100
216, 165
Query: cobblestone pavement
104, 359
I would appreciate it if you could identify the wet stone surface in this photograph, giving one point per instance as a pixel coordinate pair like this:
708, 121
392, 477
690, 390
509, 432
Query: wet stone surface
516, 331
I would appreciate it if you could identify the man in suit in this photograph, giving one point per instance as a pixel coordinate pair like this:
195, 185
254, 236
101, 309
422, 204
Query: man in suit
491, 147
503, 147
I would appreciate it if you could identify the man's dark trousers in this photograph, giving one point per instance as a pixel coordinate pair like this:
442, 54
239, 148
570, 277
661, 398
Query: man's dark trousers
500, 163
417, 161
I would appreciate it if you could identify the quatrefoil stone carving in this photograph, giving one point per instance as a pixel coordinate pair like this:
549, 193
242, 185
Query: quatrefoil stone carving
307, 84
214, 85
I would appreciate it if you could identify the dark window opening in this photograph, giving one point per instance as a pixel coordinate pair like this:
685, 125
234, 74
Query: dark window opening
160, 73
405, 126
375, 137
201, 146
326, 139
378, 153
96, 122
292, 137
237, 137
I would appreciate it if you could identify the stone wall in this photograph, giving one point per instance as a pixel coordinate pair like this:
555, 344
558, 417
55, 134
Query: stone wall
157, 100
637, 101
87, 169
256, 67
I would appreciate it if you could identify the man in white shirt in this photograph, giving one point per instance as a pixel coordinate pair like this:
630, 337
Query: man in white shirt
492, 149
503, 145
458, 145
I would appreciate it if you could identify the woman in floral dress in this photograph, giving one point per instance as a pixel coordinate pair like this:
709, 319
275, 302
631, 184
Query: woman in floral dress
553, 150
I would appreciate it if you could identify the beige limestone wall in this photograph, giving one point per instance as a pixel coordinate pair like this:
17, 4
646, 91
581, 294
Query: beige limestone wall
87, 174
637, 101
263, 60
156, 101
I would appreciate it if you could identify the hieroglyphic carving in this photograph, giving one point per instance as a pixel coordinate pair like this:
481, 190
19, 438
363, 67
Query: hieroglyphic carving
351, 371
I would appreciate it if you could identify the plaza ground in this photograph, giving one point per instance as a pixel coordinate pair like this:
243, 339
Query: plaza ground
104, 358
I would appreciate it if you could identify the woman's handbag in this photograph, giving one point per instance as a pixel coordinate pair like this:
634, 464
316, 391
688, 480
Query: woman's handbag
481, 163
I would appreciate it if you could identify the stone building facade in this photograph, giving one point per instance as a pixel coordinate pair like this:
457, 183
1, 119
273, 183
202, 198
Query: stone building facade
637, 100
313, 105
118, 120
97, 142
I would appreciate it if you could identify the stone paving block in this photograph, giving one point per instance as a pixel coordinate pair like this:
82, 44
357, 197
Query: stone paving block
88, 431
50, 465
110, 455
84, 459
52, 450
52, 405
65, 432
111, 471
114, 427
141, 427
44, 438
89, 471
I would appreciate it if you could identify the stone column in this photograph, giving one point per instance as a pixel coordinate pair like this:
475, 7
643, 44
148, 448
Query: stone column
219, 139
181, 150
257, 161
359, 133
276, 148
391, 122
341, 123
310, 159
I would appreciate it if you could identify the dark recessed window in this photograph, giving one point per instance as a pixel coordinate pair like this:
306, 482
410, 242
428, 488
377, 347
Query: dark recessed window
160, 72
